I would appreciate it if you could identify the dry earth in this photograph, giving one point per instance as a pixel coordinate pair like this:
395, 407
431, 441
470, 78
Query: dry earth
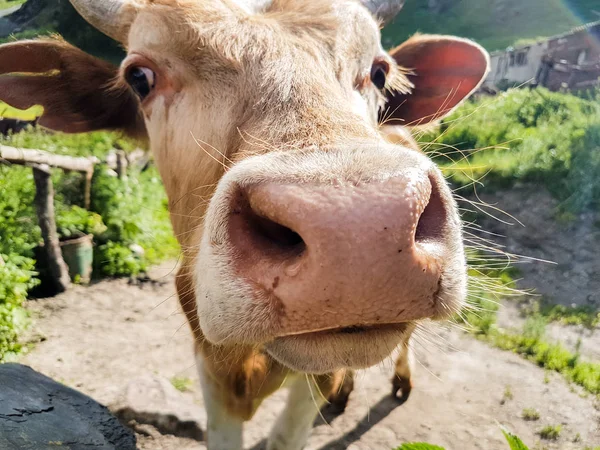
571, 275
97, 338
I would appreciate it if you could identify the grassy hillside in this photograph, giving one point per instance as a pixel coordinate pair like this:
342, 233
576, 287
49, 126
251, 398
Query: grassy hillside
10, 3
495, 24
546, 138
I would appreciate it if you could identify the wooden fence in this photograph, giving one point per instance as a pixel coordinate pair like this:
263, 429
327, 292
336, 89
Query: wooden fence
41, 162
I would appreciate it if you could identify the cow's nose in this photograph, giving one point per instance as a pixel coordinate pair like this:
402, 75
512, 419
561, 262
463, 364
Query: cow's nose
342, 255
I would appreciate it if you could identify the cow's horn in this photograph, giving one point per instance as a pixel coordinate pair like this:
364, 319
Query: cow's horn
107, 16
384, 10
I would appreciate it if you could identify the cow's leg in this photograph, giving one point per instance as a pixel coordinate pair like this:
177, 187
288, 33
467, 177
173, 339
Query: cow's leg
224, 429
401, 382
234, 380
338, 400
307, 394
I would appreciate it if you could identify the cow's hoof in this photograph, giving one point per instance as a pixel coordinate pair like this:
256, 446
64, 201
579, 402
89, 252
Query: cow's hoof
401, 388
339, 399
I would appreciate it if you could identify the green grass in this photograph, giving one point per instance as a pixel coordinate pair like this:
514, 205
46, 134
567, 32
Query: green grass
485, 290
551, 356
508, 394
550, 432
491, 27
530, 414
182, 384
514, 443
10, 3
585, 315
546, 138
13, 113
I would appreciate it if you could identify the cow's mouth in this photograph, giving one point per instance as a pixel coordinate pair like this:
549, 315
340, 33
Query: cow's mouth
354, 347
356, 330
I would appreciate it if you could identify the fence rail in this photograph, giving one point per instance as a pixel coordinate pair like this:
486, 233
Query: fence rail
27, 156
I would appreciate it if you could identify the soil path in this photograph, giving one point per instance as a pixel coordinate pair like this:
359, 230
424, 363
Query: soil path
97, 338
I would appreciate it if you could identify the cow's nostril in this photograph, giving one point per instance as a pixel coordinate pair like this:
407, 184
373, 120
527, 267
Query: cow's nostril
433, 219
258, 231
274, 234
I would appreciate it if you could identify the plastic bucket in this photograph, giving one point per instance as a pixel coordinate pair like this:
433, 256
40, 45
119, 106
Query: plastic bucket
79, 256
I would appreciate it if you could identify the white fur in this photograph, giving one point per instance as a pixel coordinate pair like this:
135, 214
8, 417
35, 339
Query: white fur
293, 426
224, 431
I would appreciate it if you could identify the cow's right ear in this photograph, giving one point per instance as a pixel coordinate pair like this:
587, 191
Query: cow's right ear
77, 91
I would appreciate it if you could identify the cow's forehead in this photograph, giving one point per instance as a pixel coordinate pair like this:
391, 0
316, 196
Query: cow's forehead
342, 30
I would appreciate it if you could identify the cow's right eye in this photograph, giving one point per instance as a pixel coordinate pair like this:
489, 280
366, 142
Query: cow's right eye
141, 80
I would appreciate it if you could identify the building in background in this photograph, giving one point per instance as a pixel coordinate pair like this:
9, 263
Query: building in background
568, 61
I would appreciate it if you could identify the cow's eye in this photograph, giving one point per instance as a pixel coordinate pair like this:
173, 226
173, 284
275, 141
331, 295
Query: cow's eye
379, 72
141, 80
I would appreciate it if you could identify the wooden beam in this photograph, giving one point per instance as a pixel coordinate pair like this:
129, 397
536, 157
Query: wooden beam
28, 157
44, 204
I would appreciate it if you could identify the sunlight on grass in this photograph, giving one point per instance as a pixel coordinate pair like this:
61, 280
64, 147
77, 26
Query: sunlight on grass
4, 4
13, 113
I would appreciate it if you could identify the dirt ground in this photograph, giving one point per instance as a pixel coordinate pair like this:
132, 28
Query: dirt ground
97, 338
572, 245
567, 269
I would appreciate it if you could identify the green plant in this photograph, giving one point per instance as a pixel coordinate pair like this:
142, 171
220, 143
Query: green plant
135, 213
513, 441
546, 378
182, 384
586, 315
535, 327
16, 278
529, 135
508, 394
530, 414
550, 432
75, 222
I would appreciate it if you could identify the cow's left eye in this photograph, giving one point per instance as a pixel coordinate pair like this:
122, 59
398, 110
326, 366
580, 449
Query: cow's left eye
379, 73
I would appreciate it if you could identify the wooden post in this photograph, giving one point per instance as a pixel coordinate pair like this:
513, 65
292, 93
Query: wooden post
121, 164
44, 204
87, 190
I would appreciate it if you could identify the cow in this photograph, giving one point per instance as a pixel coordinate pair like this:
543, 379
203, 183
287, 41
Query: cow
312, 244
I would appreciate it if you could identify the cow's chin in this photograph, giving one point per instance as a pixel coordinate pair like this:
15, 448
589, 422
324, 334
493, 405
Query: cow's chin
326, 351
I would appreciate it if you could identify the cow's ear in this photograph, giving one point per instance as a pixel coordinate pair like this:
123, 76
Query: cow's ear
78, 92
444, 71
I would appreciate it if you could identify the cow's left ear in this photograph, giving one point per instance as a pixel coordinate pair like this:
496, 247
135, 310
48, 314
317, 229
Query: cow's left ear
444, 70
